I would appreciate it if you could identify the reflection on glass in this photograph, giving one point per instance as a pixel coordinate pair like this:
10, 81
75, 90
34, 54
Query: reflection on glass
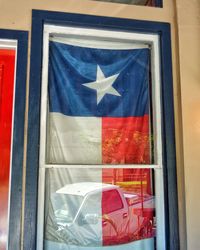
65, 207
137, 2
97, 210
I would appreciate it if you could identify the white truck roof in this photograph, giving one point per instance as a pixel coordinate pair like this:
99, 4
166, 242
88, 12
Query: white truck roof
83, 188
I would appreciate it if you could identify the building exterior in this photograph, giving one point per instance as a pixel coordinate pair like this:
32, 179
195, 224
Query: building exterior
184, 20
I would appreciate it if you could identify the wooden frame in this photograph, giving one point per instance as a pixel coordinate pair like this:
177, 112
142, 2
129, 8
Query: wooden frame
167, 116
17, 143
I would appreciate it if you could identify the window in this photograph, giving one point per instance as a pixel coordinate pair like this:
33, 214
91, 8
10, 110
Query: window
111, 201
12, 103
157, 3
100, 130
97, 113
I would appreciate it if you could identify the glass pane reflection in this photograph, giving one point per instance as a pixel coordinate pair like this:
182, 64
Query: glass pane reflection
99, 207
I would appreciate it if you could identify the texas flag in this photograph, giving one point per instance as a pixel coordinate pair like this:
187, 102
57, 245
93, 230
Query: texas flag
98, 104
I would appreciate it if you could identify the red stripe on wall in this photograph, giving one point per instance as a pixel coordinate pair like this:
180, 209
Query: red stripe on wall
7, 69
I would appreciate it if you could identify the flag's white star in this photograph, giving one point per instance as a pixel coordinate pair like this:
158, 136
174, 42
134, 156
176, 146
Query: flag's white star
103, 85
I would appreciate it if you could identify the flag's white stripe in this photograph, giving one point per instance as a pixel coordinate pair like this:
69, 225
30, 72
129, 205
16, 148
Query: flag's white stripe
74, 140
82, 192
90, 43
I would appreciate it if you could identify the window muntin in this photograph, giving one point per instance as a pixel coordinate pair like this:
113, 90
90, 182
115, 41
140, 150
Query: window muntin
131, 38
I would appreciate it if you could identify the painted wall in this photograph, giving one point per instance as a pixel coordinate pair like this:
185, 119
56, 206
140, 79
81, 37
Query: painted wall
189, 37
185, 24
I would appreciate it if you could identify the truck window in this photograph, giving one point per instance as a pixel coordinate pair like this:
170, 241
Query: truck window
92, 205
111, 201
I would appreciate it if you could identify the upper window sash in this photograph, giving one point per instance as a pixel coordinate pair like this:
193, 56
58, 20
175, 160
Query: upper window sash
152, 41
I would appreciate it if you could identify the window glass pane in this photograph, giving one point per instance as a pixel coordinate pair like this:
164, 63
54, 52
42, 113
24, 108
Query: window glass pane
7, 83
94, 208
99, 102
111, 201
137, 2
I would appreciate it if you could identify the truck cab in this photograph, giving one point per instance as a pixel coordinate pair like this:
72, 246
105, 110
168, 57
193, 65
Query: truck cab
96, 214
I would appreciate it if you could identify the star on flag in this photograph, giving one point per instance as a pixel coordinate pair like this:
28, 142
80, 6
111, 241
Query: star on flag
103, 85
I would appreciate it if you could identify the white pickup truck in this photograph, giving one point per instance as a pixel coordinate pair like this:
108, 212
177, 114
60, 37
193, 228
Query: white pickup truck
98, 214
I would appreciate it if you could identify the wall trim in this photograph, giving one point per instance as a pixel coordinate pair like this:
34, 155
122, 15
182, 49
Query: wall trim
15, 213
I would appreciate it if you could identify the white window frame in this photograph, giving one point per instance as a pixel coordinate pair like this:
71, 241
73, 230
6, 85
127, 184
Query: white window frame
151, 40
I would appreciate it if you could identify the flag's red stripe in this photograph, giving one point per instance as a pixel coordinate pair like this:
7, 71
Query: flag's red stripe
125, 140
7, 67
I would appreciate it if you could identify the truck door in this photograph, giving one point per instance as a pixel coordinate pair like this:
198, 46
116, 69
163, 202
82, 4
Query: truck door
115, 221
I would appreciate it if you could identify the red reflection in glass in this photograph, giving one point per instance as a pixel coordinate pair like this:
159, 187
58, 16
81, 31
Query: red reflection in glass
126, 140
7, 66
128, 209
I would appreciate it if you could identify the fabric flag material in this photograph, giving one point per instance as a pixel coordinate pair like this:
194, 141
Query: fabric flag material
98, 105
98, 114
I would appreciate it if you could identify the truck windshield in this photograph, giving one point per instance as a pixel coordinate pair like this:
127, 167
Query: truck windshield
65, 207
